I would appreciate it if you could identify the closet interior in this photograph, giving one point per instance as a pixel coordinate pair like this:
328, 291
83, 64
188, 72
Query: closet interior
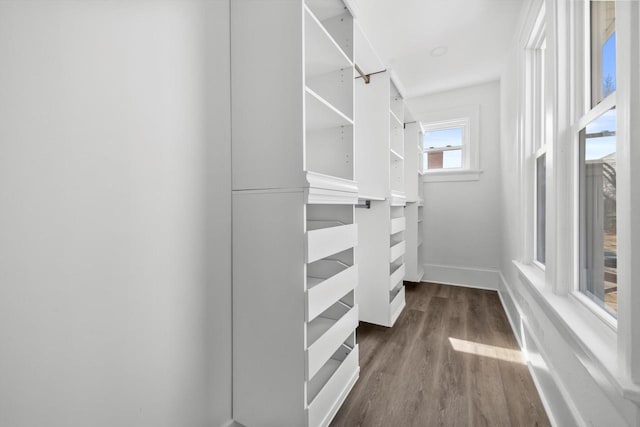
320, 232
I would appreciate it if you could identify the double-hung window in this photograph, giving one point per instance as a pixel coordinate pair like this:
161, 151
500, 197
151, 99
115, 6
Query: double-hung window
539, 151
444, 144
596, 138
450, 144
536, 147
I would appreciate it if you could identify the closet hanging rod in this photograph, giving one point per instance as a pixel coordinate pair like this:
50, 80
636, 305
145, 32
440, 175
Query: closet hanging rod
366, 77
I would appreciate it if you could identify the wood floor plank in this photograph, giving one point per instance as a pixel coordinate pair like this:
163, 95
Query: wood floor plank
522, 398
450, 360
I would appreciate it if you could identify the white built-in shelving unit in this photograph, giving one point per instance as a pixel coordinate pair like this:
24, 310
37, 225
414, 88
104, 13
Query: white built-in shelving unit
379, 112
397, 198
295, 356
413, 175
397, 149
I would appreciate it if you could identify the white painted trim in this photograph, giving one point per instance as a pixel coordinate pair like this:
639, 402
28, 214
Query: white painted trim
469, 277
505, 292
330, 190
364, 197
319, 180
595, 342
452, 175
542, 394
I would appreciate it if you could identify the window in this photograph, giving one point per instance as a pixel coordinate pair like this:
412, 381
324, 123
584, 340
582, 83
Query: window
603, 50
539, 143
450, 144
598, 237
541, 206
536, 147
597, 218
443, 148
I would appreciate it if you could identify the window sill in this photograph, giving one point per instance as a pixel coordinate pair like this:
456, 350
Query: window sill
584, 329
452, 175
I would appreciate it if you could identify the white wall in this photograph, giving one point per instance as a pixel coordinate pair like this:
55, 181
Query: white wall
462, 240
115, 219
572, 386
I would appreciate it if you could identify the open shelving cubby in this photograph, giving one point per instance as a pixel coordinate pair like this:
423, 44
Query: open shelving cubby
329, 94
294, 232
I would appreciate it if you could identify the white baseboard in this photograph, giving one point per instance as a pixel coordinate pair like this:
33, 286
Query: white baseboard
470, 277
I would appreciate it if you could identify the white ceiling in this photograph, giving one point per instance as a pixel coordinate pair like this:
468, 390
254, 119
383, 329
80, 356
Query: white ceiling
477, 33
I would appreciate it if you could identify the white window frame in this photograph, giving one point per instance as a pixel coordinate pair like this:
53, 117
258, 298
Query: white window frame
542, 151
584, 114
535, 133
464, 143
467, 118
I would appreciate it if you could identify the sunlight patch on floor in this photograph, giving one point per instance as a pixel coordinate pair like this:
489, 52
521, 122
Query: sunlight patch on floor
486, 350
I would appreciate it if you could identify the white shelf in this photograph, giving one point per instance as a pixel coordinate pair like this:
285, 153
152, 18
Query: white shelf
397, 304
321, 378
398, 198
323, 54
396, 135
393, 115
398, 225
323, 270
326, 241
327, 282
395, 155
320, 114
364, 197
319, 225
327, 189
396, 276
397, 250
327, 332
318, 327
328, 389
396, 104
312, 282
325, 9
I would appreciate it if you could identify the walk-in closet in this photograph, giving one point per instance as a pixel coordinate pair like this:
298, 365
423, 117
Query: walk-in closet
319, 213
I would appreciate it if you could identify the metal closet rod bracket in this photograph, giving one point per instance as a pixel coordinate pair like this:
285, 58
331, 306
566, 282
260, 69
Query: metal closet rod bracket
365, 205
365, 77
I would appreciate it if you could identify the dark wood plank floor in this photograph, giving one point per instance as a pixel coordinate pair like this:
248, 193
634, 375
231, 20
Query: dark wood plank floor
450, 360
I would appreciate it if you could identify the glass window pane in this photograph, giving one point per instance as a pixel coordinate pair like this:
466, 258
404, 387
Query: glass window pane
598, 238
452, 159
446, 159
541, 205
443, 138
603, 50
434, 160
